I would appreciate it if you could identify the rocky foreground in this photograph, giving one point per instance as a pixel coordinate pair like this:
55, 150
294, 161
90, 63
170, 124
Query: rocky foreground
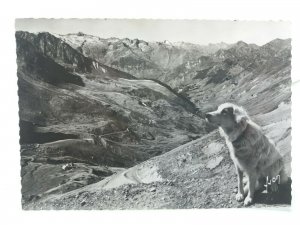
93, 136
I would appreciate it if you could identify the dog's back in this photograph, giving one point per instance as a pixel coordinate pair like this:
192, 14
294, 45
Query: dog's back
254, 152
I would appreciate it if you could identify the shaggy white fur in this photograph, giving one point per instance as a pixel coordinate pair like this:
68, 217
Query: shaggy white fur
252, 152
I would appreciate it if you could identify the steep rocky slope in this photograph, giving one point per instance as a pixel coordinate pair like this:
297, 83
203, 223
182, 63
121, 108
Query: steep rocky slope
93, 137
257, 78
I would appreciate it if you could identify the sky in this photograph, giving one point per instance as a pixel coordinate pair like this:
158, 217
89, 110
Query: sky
193, 31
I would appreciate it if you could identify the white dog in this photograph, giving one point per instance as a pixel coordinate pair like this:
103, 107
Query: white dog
252, 152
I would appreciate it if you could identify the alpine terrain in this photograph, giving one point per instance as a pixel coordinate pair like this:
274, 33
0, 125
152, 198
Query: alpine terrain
118, 123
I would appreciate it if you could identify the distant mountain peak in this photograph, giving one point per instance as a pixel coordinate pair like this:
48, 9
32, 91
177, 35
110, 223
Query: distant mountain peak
279, 41
241, 44
167, 42
81, 34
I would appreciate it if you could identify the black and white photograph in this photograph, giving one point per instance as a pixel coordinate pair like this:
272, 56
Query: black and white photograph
119, 114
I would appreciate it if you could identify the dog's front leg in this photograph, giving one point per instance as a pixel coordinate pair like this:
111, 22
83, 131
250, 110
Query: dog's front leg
251, 186
240, 195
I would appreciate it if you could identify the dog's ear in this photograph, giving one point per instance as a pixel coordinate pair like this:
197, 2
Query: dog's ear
240, 115
228, 110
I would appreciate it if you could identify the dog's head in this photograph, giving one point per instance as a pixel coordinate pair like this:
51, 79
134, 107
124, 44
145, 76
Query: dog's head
227, 116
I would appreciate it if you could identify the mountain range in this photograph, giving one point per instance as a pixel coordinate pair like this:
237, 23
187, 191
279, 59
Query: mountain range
118, 123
